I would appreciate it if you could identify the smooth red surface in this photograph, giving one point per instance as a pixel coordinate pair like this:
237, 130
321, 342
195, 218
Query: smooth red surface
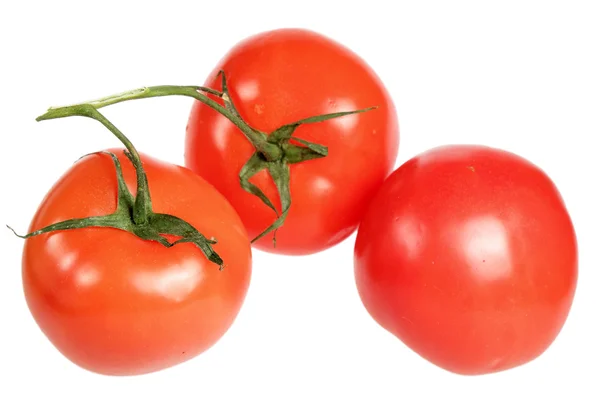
279, 77
116, 304
468, 255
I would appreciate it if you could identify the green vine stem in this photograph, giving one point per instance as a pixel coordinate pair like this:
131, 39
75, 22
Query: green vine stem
133, 214
274, 151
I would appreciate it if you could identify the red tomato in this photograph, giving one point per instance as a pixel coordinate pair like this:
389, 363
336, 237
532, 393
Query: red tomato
116, 304
279, 77
469, 256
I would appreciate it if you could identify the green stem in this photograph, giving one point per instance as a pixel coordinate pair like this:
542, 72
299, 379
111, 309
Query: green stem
274, 152
271, 151
143, 203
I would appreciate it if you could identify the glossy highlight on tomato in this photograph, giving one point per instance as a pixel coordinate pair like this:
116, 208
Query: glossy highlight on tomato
469, 256
279, 77
115, 304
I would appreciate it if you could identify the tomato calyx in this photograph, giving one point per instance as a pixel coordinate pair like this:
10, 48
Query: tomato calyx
274, 151
133, 214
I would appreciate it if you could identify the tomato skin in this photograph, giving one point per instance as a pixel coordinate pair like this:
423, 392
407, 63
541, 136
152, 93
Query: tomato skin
115, 304
279, 77
469, 256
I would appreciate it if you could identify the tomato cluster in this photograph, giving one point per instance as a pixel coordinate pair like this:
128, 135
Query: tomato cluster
466, 253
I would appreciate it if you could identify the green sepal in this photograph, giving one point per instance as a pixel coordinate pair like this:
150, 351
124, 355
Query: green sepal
286, 131
104, 221
316, 148
253, 166
326, 117
124, 197
175, 226
280, 173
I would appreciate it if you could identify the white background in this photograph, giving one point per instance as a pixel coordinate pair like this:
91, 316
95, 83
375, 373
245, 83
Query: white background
520, 75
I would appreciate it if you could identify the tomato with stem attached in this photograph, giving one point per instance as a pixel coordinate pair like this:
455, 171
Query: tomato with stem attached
275, 78
469, 256
126, 285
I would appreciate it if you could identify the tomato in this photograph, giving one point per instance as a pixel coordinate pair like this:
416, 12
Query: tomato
278, 77
116, 304
468, 255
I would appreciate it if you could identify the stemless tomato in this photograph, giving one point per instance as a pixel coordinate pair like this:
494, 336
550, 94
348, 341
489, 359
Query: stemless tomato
279, 77
469, 256
116, 304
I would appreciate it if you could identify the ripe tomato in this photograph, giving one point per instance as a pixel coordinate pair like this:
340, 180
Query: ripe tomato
279, 77
468, 255
116, 304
